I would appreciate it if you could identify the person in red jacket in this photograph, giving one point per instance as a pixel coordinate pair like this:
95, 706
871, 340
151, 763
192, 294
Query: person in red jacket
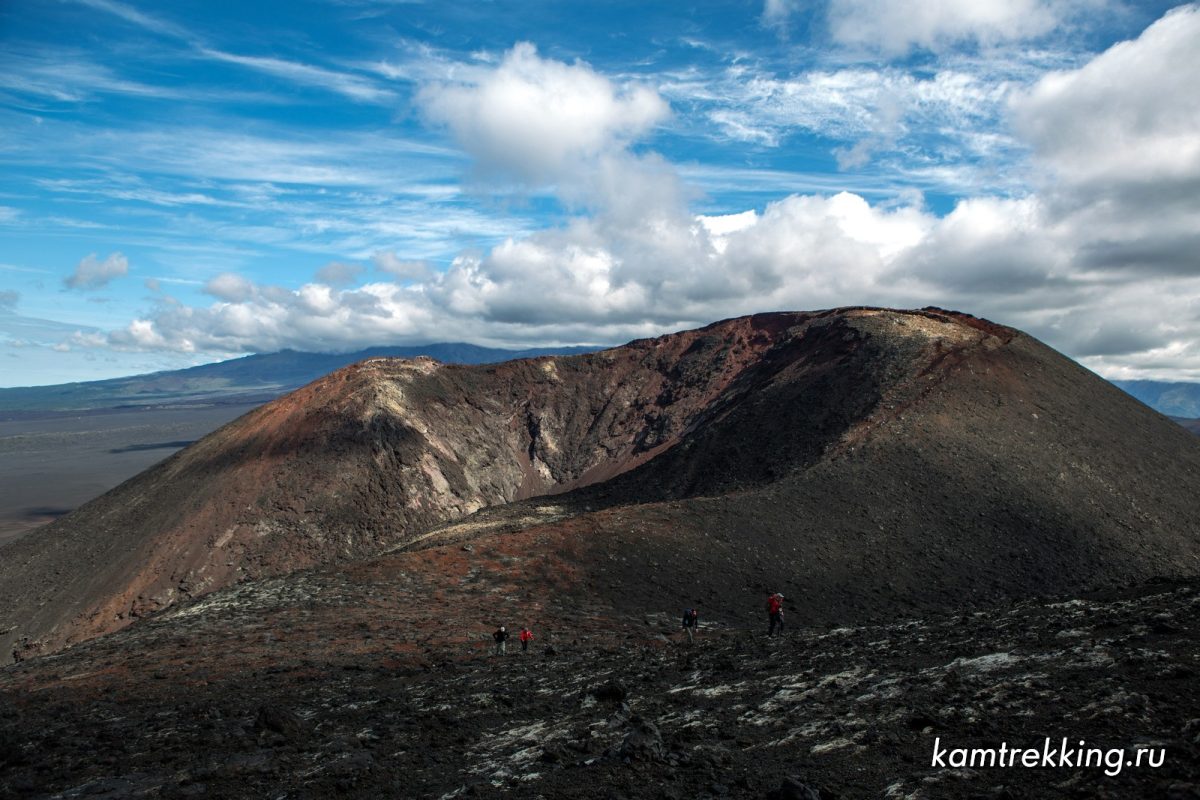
526, 637
774, 614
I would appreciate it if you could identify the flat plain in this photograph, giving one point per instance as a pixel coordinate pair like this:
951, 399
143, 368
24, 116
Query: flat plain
52, 464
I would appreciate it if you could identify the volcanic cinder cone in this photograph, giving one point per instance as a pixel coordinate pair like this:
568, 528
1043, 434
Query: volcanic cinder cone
870, 458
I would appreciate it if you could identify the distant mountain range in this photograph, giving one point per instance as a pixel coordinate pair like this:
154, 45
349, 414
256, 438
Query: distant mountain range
239, 380
1192, 425
1172, 399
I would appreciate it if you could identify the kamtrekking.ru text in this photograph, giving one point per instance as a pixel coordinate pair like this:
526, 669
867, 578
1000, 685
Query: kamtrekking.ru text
1061, 754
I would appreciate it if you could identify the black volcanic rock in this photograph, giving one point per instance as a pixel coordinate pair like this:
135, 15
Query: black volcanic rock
643, 742
613, 691
280, 720
793, 788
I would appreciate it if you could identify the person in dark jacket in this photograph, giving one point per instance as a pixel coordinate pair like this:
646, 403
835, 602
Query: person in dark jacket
691, 620
775, 614
501, 636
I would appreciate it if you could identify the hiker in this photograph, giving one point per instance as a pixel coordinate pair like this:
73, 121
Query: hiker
775, 614
501, 636
526, 637
690, 623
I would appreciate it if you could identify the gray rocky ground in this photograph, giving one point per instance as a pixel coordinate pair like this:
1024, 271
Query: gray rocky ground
847, 712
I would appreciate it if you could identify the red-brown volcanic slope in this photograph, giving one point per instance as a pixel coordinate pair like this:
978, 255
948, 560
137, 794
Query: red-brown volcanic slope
867, 460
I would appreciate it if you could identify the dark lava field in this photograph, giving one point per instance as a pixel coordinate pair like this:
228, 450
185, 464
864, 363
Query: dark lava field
847, 712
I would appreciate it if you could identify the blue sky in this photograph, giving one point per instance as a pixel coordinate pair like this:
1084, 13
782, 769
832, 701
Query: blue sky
189, 181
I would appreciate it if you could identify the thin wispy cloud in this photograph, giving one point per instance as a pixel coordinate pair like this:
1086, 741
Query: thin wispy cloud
143, 20
356, 87
66, 77
133, 15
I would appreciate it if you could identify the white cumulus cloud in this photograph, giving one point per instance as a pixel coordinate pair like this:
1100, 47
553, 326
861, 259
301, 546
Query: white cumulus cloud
1120, 139
230, 287
404, 269
537, 118
339, 273
92, 273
